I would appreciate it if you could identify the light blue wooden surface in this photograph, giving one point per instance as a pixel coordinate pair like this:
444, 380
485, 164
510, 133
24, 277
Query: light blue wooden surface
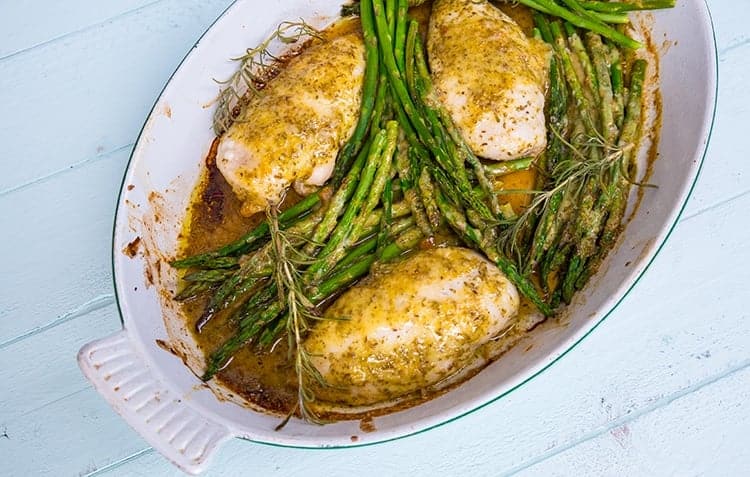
661, 388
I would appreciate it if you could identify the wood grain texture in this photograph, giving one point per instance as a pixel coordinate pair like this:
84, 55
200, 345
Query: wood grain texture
23, 32
48, 372
724, 176
704, 428
659, 389
73, 435
63, 228
90, 91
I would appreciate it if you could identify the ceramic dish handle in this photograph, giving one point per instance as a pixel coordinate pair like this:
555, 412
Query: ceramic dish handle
172, 427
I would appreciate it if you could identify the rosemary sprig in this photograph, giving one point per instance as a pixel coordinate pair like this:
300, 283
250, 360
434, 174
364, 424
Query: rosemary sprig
300, 312
569, 175
257, 66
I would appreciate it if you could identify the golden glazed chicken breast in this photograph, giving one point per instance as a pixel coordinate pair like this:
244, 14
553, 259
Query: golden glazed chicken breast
490, 77
292, 131
410, 327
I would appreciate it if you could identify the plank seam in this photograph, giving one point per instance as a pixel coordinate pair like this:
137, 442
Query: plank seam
120, 462
733, 46
71, 167
614, 424
80, 30
12, 419
92, 305
713, 206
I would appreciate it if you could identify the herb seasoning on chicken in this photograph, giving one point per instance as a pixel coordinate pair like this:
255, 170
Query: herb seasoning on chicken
490, 77
292, 132
410, 327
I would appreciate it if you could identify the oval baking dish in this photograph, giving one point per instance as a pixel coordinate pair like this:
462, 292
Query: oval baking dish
140, 370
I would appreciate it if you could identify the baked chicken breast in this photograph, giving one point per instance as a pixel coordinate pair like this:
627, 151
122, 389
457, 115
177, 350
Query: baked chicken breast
490, 77
292, 131
410, 326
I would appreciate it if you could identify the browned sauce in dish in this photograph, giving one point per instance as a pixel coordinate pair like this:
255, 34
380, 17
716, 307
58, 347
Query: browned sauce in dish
214, 218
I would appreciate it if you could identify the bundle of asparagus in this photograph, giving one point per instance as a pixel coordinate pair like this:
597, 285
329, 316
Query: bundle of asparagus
598, 16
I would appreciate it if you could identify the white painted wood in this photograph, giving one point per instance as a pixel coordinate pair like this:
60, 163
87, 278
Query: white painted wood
22, 31
728, 17
57, 240
48, 372
70, 436
651, 351
724, 175
70, 101
700, 433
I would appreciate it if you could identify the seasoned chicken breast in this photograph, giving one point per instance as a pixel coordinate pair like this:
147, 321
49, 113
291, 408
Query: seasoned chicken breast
408, 328
490, 77
293, 130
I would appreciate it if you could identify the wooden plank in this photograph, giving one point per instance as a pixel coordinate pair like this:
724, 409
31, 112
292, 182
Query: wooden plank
635, 362
710, 422
59, 261
50, 372
23, 31
728, 17
723, 176
70, 436
91, 91
702, 433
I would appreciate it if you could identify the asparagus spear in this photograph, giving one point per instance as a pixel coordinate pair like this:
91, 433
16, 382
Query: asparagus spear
408, 180
591, 82
427, 191
576, 88
621, 7
207, 276
621, 179
587, 22
369, 91
193, 290
366, 197
339, 200
385, 223
557, 111
373, 20
244, 280
370, 243
502, 168
599, 54
618, 89
593, 204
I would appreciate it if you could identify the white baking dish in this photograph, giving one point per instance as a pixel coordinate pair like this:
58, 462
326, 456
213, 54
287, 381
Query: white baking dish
167, 404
